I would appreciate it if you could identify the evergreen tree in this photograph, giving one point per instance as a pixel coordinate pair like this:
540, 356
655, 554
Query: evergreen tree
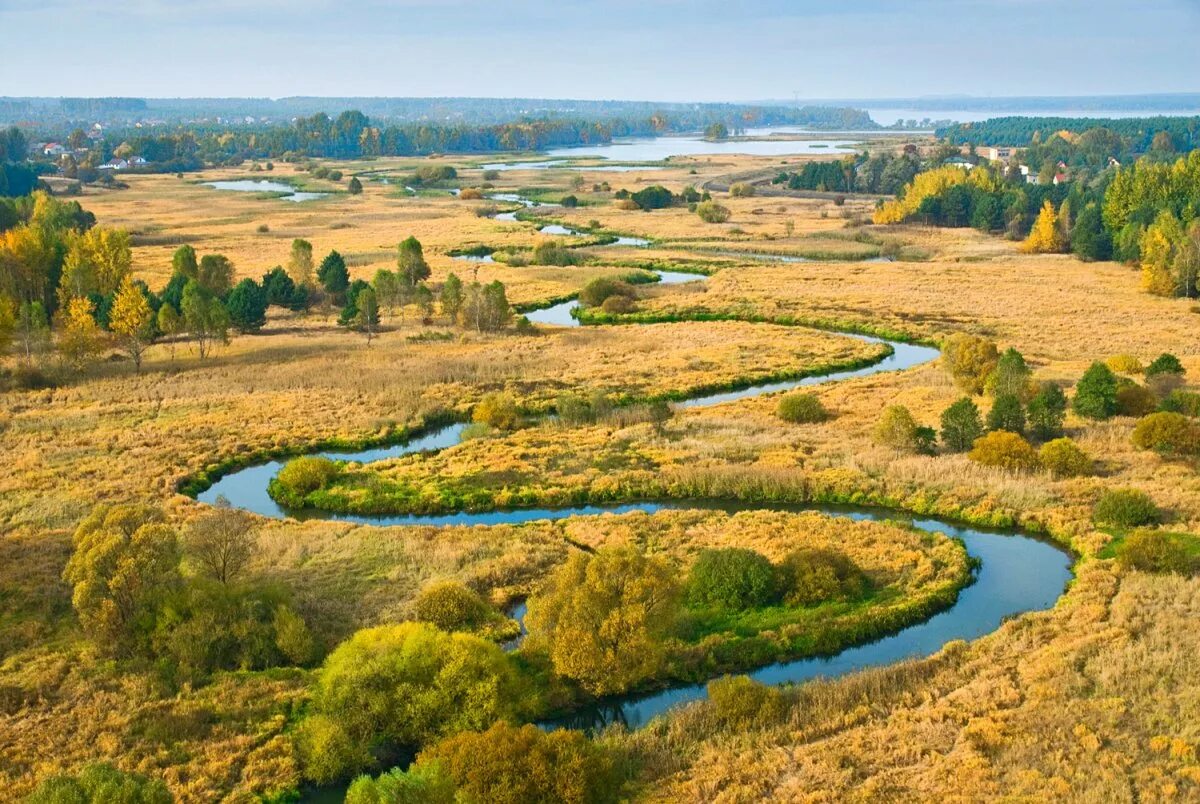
1096, 393
1007, 414
247, 305
1047, 410
333, 275
1090, 241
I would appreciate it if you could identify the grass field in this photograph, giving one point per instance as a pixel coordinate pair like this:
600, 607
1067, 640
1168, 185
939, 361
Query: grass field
1094, 699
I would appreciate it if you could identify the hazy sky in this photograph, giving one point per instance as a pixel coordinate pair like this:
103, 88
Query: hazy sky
651, 49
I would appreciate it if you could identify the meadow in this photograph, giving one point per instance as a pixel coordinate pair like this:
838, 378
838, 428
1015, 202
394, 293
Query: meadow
1092, 699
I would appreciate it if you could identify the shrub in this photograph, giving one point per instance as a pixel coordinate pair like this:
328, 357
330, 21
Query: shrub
625, 203
732, 578
595, 293
569, 201
426, 783
1007, 414
100, 783
802, 408
897, 429
1134, 399
602, 618
411, 683
969, 359
618, 305
304, 475
1062, 457
1125, 508
1166, 363
1155, 551
1096, 393
497, 409
1168, 433
1005, 450
1124, 364
491, 175
327, 753
653, 197
741, 190
712, 212
451, 606
1047, 410
741, 703
525, 765
1185, 402
810, 577
552, 252
961, 425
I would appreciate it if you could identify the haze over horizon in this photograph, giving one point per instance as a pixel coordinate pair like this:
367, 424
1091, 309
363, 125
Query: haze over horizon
682, 50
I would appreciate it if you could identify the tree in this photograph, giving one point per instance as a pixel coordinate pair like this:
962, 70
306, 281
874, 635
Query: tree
411, 683
354, 187
802, 408
410, 260
422, 783
124, 566
1047, 410
183, 262
221, 542
300, 263
388, 290
1090, 241
8, 323
333, 276
215, 274
969, 359
205, 318
1167, 432
1007, 414
961, 425
897, 429
97, 261
247, 306
1096, 393
32, 330
525, 765
169, 324
451, 297
1046, 236
1165, 374
731, 578
485, 307
79, 340
497, 409
1186, 265
602, 618
132, 321
423, 298
1010, 376
366, 316
281, 291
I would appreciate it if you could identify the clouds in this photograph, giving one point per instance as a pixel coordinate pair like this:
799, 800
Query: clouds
668, 49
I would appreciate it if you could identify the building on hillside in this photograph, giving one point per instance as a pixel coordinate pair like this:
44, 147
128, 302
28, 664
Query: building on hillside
115, 164
996, 153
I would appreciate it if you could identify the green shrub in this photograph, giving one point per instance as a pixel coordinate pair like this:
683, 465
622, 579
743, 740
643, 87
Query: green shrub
552, 252
100, 783
961, 425
499, 410
653, 197
1047, 411
1125, 508
427, 783
1134, 399
969, 359
731, 578
1168, 433
741, 704
1166, 363
712, 212
810, 577
1156, 551
304, 475
1062, 457
1005, 450
802, 408
898, 429
1007, 413
1096, 393
1185, 402
327, 752
451, 606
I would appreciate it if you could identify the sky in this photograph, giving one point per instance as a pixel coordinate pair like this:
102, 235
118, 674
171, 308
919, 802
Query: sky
685, 50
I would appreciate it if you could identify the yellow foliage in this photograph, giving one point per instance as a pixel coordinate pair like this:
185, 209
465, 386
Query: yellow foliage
927, 184
1046, 235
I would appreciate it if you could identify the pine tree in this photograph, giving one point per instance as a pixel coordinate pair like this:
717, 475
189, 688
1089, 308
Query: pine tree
1089, 239
333, 275
247, 306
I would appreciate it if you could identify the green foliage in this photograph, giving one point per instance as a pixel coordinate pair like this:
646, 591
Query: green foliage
1134, 399
1168, 433
802, 408
1047, 411
451, 606
1096, 393
333, 275
100, 783
961, 425
423, 783
301, 476
811, 577
741, 190
1125, 508
653, 197
1090, 241
553, 252
969, 359
281, 291
602, 618
247, 306
898, 429
485, 308
1010, 377
579, 409
712, 212
326, 750
1185, 402
1159, 552
1007, 413
731, 578
410, 262
451, 296
600, 289
411, 683
525, 765
1062, 457
124, 568
354, 187
1005, 450
204, 317
741, 704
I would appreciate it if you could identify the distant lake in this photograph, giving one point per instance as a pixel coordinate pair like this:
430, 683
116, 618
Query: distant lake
654, 149
265, 186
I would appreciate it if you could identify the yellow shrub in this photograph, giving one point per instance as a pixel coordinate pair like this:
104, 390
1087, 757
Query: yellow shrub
1005, 450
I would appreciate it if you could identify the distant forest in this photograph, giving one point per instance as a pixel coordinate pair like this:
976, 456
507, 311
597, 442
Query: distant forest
1138, 132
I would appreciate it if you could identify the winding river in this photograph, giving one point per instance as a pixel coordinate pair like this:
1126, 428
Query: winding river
1018, 573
